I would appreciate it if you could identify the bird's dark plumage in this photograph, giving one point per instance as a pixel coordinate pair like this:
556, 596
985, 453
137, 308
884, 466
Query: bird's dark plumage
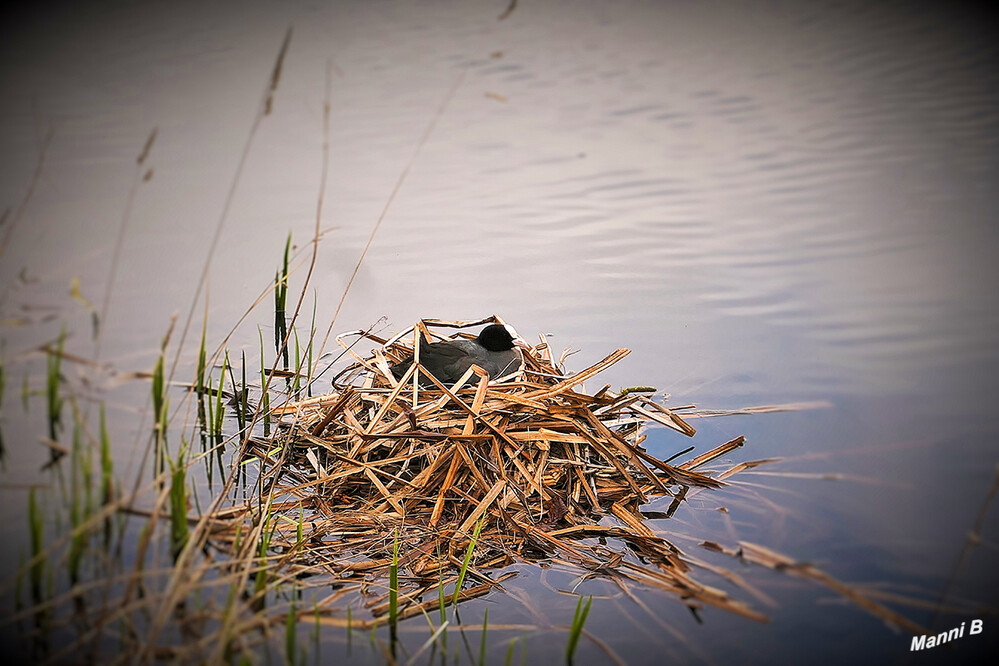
493, 351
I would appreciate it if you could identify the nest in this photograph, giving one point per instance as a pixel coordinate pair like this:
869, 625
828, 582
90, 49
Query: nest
526, 468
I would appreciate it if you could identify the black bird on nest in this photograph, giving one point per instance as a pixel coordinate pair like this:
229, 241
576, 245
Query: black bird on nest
496, 350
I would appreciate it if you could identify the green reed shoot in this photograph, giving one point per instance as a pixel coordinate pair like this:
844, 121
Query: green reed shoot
77, 544
107, 473
80, 502
210, 409
219, 414
107, 464
240, 413
482, 641
265, 398
509, 652
199, 378
279, 295
297, 381
578, 620
227, 612
54, 400
159, 395
160, 409
350, 629
86, 466
290, 627
394, 583
284, 269
178, 501
36, 525
317, 631
263, 545
244, 395
161, 442
280, 303
468, 558
312, 339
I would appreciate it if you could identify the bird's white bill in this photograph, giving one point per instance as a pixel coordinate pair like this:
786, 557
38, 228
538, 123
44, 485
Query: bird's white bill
517, 340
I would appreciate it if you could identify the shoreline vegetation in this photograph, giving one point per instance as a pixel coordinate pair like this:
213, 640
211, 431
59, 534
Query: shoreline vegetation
358, 510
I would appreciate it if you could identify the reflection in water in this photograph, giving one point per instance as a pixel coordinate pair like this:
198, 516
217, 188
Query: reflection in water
764, 203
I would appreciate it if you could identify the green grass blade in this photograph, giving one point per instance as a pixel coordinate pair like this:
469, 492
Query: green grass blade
394, 582
578, 620
219, 407
78, 542
199, 376
468, 558
53, 372
107, 474
36, 525
107, 464
244, 394
482, 642
178, 502
290, 644
509, 652
312, 339
158, 391
350, 630
297, 383
264, 394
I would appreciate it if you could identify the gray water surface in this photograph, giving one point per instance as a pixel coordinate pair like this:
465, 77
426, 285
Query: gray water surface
765, 202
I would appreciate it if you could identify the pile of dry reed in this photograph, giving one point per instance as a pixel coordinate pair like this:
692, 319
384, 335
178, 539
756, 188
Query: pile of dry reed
524, 467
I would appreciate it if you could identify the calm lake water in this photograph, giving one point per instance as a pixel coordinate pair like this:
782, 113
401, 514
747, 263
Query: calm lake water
765, 202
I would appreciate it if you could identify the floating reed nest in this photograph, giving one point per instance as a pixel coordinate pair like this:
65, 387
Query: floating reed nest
526, 468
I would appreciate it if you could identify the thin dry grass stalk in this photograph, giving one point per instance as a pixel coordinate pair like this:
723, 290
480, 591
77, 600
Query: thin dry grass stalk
535, 458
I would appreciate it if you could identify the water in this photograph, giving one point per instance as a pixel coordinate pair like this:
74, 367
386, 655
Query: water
766, 202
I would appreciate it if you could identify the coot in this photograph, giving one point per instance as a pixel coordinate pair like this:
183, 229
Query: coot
493, 351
